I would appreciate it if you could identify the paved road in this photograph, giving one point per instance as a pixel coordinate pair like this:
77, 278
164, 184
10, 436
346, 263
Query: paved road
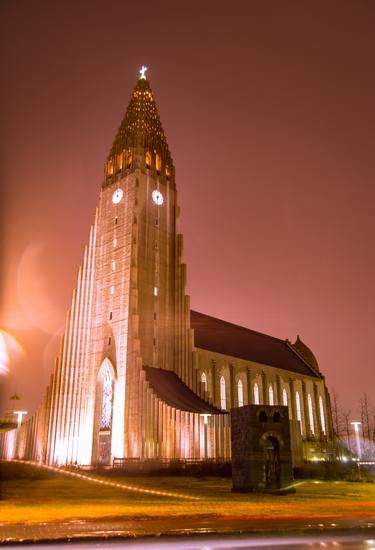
239, 542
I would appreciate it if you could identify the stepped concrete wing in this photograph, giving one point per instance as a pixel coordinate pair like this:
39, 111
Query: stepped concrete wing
170, 389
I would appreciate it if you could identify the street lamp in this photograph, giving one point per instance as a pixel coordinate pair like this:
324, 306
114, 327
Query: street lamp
356, 426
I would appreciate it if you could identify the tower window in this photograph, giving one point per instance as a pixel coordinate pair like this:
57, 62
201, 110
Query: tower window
158, 163
256, 394
109, 340
223, 396
129, 158
240, 393
156, 291
204, 380
167, 171
120, 159
148, 160
110, 315
113, 265
110, 168
112, 289
116, 220
114, 242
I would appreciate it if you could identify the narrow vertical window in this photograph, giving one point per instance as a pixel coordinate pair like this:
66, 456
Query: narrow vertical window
156, 291
223, 396
270, 395
204, 380
112, 289
240, 393
116, 220
311, 414
119, 162
114, 242
285, 398
322, 415
110, 315
158, 163
110, 168
256, 394
148, 159
129, 158
298, 409
113, 265
106, 416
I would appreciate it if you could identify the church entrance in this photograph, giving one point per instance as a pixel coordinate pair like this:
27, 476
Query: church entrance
272, 463
104, 413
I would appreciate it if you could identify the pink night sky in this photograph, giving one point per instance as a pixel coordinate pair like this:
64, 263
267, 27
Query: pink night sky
268, 108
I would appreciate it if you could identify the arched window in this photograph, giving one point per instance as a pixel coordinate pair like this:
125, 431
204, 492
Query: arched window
223, 397
285, 398
322, 415
311, 414
158, 163
106, 413
120, 159
256, 394
110, 168
204, 380
240, 393
298, 409
270, 395
148, 159
129, 158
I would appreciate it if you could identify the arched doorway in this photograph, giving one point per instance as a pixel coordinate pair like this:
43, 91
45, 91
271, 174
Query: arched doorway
272, 463
104, 413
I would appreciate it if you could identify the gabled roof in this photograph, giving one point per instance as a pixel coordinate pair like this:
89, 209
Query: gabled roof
228, 339
170, 389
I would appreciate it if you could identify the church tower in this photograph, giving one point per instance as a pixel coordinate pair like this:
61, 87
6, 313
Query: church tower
130, 313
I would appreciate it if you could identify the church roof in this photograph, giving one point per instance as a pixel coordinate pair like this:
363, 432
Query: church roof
228, 339
141, 124
170, 389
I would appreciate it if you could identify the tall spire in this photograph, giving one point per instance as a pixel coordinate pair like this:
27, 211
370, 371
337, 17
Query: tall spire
141, 126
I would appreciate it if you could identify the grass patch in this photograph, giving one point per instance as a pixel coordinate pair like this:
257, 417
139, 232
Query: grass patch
47, 497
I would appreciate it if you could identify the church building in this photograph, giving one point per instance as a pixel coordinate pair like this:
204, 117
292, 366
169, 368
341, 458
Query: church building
139, 375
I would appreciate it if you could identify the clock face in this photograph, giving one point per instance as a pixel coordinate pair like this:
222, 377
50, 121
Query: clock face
117, 196
157, 197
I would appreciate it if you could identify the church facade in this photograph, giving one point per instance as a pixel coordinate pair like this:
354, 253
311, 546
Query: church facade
139, 375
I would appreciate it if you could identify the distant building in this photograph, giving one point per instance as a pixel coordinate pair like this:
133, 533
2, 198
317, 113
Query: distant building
140, 375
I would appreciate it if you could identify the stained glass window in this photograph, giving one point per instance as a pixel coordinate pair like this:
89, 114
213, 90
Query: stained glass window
298, 409
105, 423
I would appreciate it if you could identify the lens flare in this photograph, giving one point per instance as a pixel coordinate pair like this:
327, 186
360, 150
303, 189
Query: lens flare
8, 346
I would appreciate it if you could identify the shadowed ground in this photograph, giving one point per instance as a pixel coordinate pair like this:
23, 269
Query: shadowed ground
42, 504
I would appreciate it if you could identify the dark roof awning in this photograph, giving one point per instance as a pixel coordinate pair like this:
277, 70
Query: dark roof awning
222, 337
170, 389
